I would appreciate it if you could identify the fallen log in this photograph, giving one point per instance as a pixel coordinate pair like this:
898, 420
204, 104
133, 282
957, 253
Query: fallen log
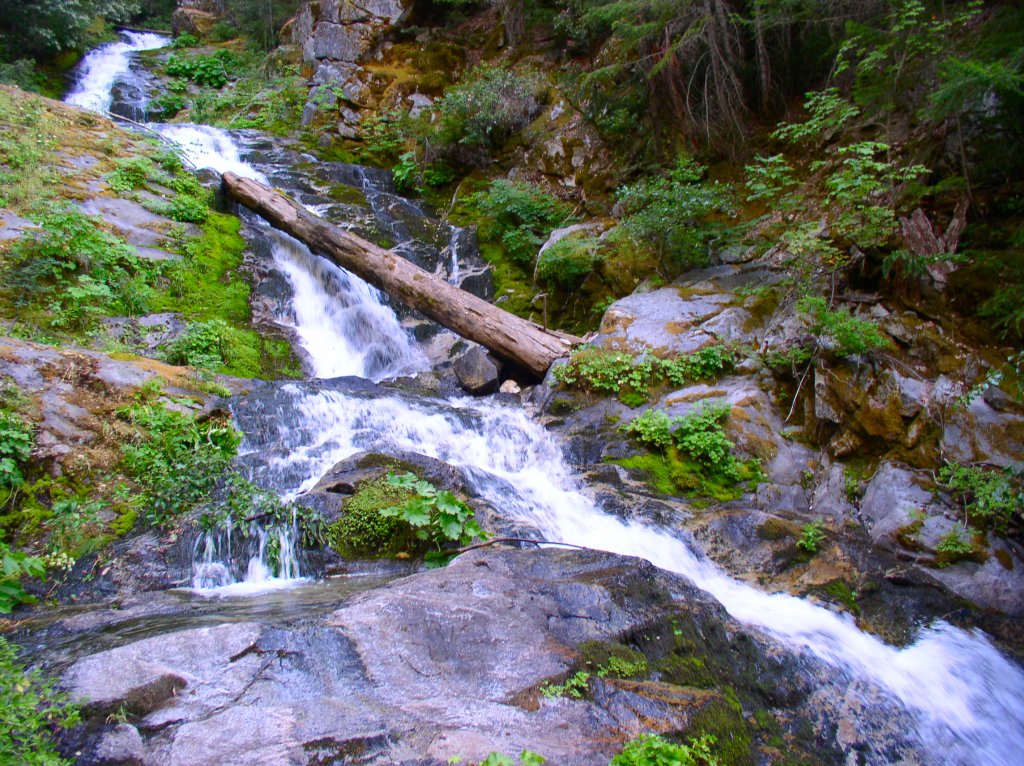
512, 338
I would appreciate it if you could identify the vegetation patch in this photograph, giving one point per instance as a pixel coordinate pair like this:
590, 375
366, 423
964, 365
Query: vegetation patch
632, 378
31, 708
403, 515
693, 455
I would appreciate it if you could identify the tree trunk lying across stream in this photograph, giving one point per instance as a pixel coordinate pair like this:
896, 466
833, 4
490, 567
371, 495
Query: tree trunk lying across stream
510, 337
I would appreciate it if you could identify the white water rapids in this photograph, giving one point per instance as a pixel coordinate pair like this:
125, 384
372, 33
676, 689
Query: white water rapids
102, 68
967, 699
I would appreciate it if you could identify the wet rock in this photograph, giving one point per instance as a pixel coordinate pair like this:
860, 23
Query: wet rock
893, 498
122, 746
996, 583
663, 321
510, 387
478, 372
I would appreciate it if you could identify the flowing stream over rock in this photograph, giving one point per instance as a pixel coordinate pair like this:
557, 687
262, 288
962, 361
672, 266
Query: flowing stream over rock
967, 699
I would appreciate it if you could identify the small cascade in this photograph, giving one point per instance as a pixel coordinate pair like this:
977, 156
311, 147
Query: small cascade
343, 323
967, 698
109, 66
235, 560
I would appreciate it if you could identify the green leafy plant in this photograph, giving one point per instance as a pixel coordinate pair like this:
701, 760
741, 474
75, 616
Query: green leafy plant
519, 216
185, 40
652, 750
575, 686
438, 517
210, 345
406, 173
952, 548
696, 455
526, 758
16, 566
30, 708
384, 132
131, 173
176, 458
845, 333
812, 535
631, 377
16, 440
991, 499
363, 531
69, 271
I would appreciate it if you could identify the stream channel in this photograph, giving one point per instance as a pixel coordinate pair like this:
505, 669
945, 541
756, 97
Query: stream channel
966, 700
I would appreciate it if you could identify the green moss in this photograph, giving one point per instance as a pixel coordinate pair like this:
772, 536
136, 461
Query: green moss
362, 531
124, 523
612, 660
777, 529
840, 591
513, 288
685, 671
670, 474
725, 722
207, 284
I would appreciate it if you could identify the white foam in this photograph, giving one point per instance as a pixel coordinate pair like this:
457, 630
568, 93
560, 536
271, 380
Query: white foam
101, 68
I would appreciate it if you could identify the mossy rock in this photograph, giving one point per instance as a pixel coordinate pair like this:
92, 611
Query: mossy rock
363, 532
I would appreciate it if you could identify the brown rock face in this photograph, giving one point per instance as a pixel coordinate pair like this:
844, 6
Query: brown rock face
193, 22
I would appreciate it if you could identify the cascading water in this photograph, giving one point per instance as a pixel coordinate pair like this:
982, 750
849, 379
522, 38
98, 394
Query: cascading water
109, 65
967, 699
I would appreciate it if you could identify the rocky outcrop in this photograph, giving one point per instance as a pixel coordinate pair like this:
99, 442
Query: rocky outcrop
335, 36
196, 17
449, 663
897, 416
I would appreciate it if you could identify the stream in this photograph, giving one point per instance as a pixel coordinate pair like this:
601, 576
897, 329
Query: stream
966, 698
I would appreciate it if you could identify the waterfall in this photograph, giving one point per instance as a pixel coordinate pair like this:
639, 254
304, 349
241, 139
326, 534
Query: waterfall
107, 66
967, 699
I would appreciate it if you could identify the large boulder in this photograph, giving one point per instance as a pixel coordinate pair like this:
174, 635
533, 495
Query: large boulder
450, 663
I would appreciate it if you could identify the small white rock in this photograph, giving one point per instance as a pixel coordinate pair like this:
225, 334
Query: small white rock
510, 387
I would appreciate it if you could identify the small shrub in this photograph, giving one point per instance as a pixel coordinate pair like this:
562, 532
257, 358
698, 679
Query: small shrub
575, 687
487, 107
992, 499
848, 335
30, 708
167, 104
673, 213
569, 261
185, 40
812, 535
520, 216
222, 31
652, 750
